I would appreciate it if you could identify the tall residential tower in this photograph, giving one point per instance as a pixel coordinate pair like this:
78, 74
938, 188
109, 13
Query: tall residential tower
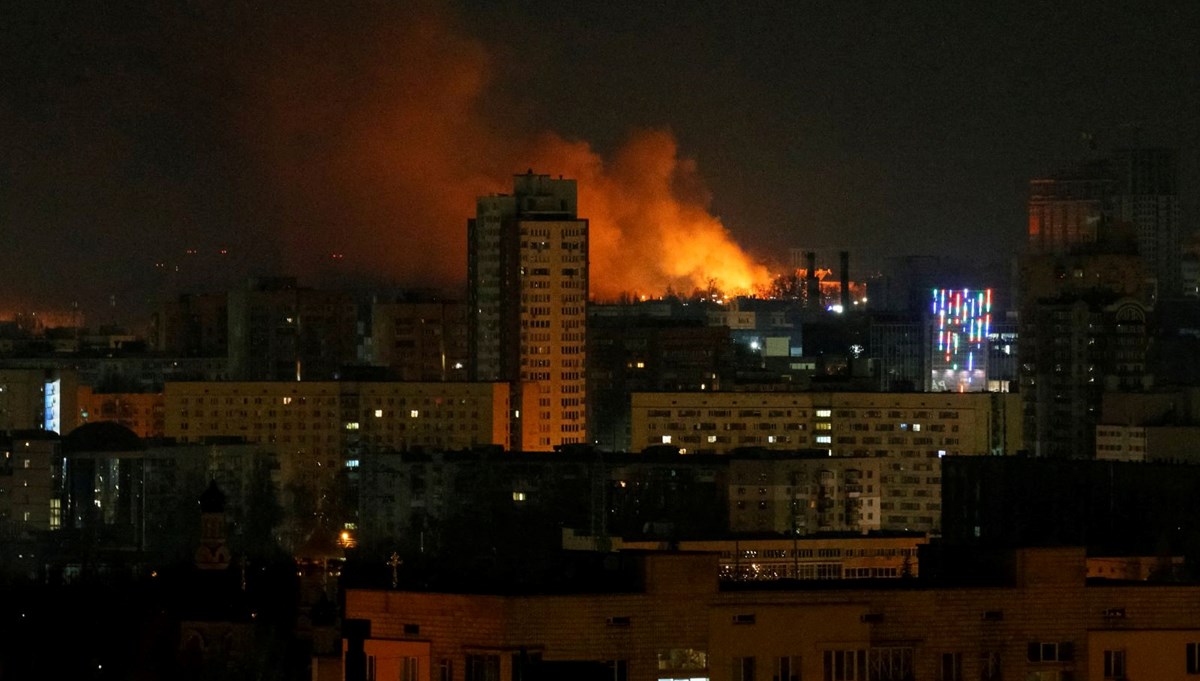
527, 273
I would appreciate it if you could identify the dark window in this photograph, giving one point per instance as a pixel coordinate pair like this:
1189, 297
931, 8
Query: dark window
743, 669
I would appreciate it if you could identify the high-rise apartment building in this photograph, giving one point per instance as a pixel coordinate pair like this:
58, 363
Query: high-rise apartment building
279, 331
1146, 196
420, 341
1067, 210
1134, 190
527, 268
1083, 331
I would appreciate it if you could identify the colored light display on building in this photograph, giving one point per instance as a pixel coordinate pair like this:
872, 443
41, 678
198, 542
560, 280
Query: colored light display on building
962, 322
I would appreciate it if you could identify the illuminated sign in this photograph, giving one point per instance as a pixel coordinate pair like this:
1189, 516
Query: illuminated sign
962, 324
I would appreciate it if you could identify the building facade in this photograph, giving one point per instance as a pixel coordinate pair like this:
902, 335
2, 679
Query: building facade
527, 271
809, 494
38, 399
279, 331
316, 428
830, 557
1041, 620
421, 341
143, 413
844, 423
961, 321
1146, 196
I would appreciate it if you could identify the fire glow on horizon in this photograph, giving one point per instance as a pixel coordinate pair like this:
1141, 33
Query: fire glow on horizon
412, 142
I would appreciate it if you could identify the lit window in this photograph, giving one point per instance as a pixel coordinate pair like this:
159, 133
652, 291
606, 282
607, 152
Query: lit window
287, 400
353, 425
414, 413
351, 463
824, 413
518, 496
824, 439
378, 413
666, 439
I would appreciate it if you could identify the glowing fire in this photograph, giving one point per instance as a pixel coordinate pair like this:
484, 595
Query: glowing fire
646, 233
408, 144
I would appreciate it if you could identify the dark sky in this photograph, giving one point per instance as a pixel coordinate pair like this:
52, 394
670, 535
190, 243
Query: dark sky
131, 132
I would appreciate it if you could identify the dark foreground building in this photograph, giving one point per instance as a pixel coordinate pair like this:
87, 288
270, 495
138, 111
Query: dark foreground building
1040, 619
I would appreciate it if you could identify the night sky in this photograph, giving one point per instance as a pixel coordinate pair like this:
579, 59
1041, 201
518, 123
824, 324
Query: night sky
132, 132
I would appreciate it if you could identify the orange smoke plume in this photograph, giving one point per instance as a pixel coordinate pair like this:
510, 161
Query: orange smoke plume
379, 155
649, 219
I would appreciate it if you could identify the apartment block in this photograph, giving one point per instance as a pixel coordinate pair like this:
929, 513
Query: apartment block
37, 399
811, 558
421, 341
316, 427
809, 492
844, 423
30, 482
143, 413
1037, 617
527, 280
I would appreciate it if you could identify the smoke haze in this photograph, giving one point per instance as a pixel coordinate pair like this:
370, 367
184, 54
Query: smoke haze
376, 151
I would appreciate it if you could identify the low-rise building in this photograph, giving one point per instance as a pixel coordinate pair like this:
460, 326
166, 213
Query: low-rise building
823, 557
1037, 617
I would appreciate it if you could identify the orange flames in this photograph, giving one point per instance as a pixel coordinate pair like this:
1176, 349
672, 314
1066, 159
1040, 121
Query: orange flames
380, 156
648, 233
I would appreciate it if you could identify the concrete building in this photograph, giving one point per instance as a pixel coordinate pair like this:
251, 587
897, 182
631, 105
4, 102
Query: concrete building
1083, 332
126, 371
527, 272
129, 502
846, 424
421, 341
404, 499
316, 428
641, 353
828, 557
279, 331
30, 480
192, 325
1067, 209
1131, 188
900, 348
1073, 351
1037, 618
1146, 195
143, 413
1115, 508
808, 493
38, 399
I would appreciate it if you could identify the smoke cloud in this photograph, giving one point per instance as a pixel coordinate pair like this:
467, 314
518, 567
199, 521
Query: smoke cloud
374, 153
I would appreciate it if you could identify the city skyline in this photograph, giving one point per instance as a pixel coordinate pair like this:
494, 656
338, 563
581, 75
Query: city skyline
350, 144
